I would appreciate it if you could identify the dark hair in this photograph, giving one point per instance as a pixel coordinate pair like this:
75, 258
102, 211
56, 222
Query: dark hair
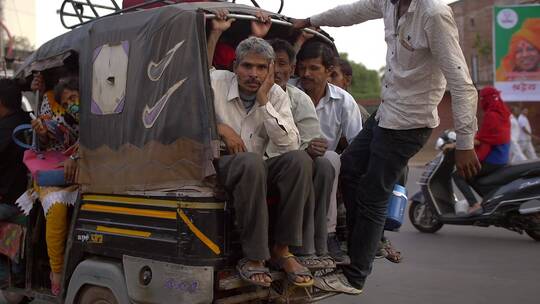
316, 49
280, 45
344, 66
69, 83
10, 94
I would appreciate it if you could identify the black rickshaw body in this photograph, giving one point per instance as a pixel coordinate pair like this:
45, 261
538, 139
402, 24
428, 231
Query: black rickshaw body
152, 224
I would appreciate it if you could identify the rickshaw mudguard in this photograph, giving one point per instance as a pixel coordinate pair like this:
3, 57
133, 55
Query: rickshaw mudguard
98, 272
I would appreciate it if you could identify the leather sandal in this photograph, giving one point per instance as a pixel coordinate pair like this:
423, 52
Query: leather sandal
313, 262
292, 276
246, 272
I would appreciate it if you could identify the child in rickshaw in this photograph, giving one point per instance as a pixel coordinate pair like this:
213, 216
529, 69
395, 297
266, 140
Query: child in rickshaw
58, 130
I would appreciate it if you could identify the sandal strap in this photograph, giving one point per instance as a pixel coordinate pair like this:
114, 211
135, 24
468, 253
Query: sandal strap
242, 264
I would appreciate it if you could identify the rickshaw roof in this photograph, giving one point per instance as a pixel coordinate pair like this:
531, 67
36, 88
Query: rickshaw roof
53, 52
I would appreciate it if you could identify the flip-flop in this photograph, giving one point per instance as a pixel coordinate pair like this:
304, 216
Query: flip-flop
292, 276
246, 272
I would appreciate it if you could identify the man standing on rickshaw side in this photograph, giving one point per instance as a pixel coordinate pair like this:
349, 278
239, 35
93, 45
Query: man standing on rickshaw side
251, 112
423, 55
13, 178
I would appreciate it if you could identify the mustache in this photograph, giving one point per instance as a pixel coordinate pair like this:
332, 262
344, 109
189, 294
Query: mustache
306, 78
253, 81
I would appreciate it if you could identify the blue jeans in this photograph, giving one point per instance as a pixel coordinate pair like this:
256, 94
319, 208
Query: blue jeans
370, 166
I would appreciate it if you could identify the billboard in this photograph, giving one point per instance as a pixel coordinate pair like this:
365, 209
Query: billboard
516, 49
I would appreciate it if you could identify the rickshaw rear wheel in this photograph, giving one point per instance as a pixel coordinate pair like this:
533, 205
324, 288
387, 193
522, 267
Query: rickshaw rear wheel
13, 298
96, 295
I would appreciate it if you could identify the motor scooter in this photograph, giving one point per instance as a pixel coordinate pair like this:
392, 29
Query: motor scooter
510, 195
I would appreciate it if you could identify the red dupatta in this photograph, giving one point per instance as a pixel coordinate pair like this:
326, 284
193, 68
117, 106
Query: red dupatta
495, 127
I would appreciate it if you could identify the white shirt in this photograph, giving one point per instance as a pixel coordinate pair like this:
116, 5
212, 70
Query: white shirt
515, 129
423, 54
338, 114
524, 123
272, 122
305, 119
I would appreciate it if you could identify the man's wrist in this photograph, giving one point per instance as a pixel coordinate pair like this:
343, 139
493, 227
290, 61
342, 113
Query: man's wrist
464, 141
74, 156
262, 100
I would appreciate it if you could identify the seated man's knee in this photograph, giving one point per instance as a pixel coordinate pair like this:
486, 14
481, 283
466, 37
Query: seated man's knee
324, 166
250, 161
299, 161
333, 157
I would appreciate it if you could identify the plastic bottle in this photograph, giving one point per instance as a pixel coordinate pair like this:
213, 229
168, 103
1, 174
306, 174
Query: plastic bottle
396, 208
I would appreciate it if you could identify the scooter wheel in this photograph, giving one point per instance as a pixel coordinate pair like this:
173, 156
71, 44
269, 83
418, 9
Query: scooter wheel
534, 234
423, 218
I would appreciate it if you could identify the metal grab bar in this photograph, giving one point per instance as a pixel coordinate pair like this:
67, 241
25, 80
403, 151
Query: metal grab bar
274, 20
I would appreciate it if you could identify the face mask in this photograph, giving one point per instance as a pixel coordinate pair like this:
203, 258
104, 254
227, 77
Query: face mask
73, 108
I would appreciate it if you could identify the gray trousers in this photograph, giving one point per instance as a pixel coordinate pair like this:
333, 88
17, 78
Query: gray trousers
332, 214
248, 178
314, 232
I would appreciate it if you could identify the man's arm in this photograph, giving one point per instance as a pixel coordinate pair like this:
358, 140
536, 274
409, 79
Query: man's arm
232, 140
219, 25
351, 119
278, 121
344, 15
443, 39
305, 118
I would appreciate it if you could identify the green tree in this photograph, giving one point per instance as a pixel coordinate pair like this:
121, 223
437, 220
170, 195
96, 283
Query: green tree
366, 83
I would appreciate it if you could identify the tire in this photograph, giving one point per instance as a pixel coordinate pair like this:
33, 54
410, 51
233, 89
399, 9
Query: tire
428, 223
13, 298
534, 234
96, 295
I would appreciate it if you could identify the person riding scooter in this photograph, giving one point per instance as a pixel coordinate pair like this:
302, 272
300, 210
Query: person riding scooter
492, 144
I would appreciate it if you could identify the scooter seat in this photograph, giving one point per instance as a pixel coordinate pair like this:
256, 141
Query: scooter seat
509, 173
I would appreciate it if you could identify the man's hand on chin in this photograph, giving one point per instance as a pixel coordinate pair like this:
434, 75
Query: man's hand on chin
467, 163
262, 93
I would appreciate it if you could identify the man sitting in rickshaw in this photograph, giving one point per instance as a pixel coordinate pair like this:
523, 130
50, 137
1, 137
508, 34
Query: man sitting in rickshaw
251, 112
13, 178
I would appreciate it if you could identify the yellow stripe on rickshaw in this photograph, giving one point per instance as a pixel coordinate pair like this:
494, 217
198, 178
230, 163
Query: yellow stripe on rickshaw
121, 231
171, 215
208, 242
153, 202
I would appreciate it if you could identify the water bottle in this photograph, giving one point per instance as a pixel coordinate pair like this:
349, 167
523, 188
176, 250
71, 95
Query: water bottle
396, 208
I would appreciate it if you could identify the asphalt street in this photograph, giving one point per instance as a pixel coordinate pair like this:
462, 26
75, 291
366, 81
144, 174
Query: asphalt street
466, 265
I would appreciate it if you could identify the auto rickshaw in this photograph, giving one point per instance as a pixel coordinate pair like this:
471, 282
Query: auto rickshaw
151, 225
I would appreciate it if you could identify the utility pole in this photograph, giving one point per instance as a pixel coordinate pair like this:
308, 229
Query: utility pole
2, 51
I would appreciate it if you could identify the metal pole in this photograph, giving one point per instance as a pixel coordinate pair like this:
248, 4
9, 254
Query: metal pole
276, 21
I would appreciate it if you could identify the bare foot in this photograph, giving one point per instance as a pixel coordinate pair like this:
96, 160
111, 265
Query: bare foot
289, 265
475, 208
263, 278
56, 280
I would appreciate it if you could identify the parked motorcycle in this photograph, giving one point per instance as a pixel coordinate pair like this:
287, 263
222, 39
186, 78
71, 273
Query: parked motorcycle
510, 196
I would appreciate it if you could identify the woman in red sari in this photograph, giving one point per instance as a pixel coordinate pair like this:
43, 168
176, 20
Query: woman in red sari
492, 143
